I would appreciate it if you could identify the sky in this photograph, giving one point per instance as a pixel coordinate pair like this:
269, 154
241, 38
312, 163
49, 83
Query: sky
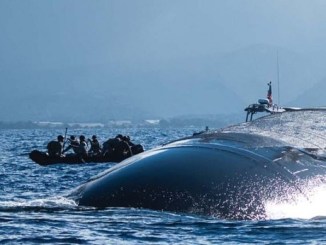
66, 33
134, 36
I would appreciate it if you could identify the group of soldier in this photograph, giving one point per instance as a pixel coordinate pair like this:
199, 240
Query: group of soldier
120, 146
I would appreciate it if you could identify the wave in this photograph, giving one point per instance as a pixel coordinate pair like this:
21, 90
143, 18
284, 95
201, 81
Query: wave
44, 204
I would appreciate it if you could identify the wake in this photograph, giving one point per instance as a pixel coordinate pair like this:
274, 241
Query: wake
46, 204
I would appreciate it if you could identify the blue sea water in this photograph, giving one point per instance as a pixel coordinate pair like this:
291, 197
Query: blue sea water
33, 207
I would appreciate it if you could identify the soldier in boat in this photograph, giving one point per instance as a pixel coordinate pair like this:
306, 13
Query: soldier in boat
117, 148
135, 148
95, 146
73, 144
82, 148
55, 147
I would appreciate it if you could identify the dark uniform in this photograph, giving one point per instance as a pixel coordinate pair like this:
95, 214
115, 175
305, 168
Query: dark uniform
135, 148
117, 148
95, 146
55, 147
74, 144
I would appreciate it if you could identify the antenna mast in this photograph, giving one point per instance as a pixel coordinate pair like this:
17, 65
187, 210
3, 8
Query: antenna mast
278, 81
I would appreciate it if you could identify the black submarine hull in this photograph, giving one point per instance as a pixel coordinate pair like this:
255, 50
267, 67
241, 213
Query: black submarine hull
223, 174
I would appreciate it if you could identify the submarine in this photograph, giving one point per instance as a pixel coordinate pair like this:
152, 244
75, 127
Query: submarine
229, 173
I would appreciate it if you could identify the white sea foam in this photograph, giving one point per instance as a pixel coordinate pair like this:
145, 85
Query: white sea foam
307, 204
53, 202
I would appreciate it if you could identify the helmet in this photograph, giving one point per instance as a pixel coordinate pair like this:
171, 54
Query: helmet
72, 137
82, 137
94, 137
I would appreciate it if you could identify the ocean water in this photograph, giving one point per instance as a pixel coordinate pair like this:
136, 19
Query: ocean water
33, 207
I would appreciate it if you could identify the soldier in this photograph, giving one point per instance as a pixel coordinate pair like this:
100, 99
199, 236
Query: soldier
95, 146
55, 147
